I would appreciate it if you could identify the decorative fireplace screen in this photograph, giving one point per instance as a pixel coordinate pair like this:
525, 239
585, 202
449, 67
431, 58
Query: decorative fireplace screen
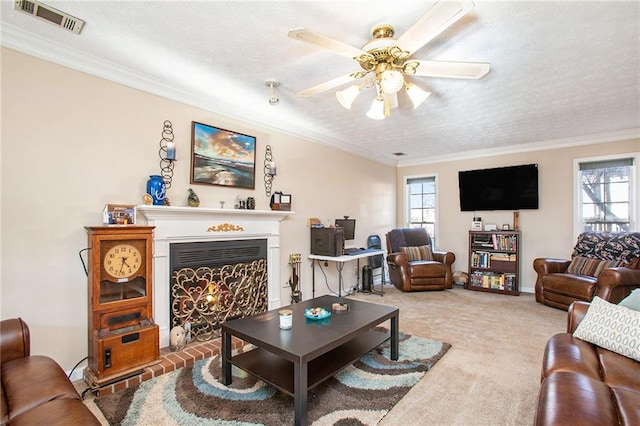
216, 281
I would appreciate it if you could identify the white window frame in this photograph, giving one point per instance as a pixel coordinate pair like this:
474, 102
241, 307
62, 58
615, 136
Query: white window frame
407, 207
634, 185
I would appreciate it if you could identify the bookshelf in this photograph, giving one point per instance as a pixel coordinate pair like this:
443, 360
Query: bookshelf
494, 262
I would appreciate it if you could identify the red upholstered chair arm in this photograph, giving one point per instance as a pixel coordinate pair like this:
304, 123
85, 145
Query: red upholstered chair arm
445, 257
614, 284
550, 266
577, 311
15, 341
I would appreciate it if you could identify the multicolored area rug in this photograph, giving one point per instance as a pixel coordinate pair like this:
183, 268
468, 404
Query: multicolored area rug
361, 394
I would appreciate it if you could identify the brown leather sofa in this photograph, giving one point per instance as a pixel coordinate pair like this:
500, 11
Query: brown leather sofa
35, 389
417, 275
558, 288
583, 384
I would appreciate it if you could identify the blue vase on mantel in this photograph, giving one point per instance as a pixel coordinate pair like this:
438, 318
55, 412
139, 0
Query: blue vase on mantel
157, 189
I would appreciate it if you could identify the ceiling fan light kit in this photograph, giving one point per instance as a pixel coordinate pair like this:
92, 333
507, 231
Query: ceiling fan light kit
391, 81
416, 94
385, 60
348, 95
377, 110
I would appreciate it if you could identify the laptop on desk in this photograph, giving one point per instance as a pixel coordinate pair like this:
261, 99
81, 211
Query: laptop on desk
353, 250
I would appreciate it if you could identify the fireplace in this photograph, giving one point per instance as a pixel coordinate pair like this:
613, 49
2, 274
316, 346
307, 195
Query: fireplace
178, 225
216, 281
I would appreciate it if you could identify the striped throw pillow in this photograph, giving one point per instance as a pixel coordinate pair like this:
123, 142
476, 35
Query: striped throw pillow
587, 266
417, 253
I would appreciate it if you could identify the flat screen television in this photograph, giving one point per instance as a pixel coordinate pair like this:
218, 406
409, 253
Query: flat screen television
349, 226
502, 188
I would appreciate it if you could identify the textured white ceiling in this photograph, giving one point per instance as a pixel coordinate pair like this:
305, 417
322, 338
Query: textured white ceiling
560, 70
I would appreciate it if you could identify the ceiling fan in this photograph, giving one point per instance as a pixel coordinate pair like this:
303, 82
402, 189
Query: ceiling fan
385, 60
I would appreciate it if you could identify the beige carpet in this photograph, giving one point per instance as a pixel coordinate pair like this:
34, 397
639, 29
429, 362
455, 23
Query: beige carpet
491, 375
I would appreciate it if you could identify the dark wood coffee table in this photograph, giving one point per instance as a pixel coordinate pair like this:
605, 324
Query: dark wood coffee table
309, 353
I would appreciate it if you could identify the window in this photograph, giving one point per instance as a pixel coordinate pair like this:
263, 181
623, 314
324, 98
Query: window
421, 197
605, 194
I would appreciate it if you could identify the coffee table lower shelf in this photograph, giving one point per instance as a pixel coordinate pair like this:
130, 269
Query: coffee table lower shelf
279, 373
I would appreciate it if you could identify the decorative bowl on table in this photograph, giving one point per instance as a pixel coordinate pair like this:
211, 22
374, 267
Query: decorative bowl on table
316, 313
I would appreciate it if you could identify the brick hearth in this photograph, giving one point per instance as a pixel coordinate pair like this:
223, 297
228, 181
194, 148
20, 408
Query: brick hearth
170, 361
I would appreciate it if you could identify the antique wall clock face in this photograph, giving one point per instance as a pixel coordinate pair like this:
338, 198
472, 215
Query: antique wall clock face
122, 261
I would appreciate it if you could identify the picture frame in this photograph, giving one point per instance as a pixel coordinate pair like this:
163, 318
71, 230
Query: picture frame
285, 199
281, 201
222, 157
119, 214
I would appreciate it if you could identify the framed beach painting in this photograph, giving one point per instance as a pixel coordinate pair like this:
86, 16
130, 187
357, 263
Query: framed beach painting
222, 157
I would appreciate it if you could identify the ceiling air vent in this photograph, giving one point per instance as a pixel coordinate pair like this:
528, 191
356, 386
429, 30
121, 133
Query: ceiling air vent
48, 13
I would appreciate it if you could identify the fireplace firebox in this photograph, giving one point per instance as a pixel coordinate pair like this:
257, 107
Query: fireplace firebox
216, 281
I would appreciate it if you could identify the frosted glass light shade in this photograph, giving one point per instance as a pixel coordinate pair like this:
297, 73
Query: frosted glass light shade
391, 81
348, 95
416, 94
376, 111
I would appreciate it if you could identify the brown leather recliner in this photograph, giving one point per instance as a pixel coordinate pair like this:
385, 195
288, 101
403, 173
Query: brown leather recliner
557, 287
417, 275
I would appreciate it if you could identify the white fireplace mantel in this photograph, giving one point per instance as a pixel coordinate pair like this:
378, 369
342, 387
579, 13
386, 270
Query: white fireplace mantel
194, 213
189, 224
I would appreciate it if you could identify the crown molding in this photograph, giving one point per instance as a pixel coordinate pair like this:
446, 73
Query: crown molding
616, 136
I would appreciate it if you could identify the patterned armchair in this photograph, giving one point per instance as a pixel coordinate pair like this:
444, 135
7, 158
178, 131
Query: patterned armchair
414, 265
602, 264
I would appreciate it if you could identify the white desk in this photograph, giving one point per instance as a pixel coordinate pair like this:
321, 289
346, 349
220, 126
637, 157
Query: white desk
340, 261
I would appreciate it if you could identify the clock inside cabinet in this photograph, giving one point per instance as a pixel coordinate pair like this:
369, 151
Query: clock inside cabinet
123, 338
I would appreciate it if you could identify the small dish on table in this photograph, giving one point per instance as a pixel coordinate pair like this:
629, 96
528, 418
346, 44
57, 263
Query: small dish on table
316, 313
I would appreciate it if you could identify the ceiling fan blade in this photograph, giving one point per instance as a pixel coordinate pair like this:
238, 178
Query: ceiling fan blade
437, 19
325, 42
327, 85
470, 70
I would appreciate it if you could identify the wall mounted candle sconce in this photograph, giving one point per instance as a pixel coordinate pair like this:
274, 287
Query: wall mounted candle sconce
167, 153
269, 170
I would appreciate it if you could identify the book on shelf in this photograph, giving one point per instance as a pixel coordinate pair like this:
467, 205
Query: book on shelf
493, 280
504, 257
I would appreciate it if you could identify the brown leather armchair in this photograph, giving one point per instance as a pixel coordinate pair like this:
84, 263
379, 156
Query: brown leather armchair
558, 284
417, 275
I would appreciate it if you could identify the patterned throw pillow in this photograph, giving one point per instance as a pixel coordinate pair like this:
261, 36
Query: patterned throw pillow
611, 327
417, 253
586, 266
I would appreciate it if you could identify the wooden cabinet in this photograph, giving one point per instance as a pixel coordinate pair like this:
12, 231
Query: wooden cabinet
494, 262
123, 338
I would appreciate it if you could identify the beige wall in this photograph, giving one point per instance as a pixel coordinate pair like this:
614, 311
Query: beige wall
72, 142
546, 232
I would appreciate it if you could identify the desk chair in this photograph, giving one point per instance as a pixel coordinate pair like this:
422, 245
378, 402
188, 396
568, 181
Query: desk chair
377, 262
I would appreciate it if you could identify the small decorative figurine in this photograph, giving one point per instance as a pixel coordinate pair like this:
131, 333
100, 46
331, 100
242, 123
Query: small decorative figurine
177, 338
193, 199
